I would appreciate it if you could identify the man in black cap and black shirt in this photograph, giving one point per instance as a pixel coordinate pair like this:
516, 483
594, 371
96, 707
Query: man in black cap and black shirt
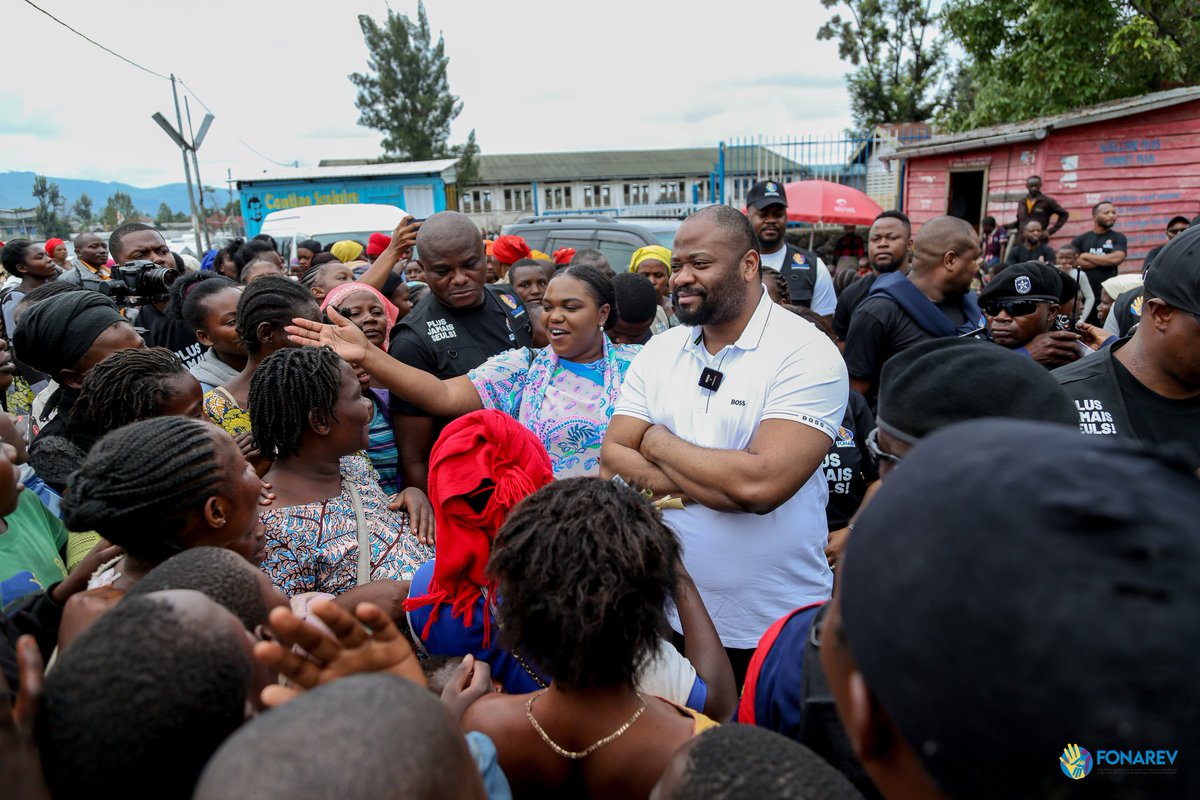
933, 301
1021, 307
1147, 386
889, 245
460, 324
1015, 595
808, 280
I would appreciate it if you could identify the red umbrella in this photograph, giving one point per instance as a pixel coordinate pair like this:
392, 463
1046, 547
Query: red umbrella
829, 203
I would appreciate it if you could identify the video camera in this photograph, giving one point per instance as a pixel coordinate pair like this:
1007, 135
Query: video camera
136, 283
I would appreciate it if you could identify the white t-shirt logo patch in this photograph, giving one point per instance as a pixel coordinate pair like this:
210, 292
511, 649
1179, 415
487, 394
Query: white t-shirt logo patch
1023, 285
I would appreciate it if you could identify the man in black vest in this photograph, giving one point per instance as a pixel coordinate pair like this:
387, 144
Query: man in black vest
1147, 386
456, 327
808, 280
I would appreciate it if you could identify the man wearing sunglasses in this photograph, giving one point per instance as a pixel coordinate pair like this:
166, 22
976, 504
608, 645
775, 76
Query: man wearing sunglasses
1020, 306
1147, 386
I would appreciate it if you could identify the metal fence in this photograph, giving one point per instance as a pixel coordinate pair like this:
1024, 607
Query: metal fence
847, 159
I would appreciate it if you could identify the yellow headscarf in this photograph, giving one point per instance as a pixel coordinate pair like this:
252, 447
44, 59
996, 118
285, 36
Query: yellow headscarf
654, 252
539, 255
347, 250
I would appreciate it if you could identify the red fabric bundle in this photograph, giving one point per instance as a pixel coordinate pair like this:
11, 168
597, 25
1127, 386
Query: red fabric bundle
483, 451
563, 256
510, 249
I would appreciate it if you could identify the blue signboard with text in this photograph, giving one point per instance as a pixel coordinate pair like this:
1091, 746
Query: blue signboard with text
419, 195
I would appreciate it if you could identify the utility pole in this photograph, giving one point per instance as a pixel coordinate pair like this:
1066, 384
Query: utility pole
196, 140
187, 169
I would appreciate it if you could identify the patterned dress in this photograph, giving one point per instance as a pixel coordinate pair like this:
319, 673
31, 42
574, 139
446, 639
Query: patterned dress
313, 547
565, 404
222, 409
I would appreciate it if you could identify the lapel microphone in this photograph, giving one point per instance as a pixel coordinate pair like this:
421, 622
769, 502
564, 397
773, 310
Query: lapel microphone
710, 379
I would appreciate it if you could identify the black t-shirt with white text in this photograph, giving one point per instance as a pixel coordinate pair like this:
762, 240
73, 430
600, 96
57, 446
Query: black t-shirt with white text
848, 466
1100, 244
1019, 253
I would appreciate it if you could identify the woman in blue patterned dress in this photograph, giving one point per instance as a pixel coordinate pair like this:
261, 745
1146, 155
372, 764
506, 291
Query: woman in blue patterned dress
564, 393
331, 528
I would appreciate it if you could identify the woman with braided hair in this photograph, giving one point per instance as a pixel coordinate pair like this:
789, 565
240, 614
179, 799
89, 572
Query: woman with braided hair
161, 486
331, 528
207, 303
264, 308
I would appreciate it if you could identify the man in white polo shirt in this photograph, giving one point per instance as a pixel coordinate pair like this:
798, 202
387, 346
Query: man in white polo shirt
734, 411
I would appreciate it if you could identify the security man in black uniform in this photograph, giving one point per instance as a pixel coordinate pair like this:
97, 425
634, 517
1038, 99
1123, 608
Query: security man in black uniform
1147, 386
460, 324
809, 283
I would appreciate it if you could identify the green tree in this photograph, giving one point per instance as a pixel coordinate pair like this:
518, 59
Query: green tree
83, 211
165, 215
1032, 59
118, 210
467, 171
50, 208
405, 94
898, 57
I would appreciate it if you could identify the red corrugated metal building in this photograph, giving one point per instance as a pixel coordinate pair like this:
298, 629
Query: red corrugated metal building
1142, 153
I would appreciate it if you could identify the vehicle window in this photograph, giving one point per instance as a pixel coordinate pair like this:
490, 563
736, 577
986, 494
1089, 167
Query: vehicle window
535, 237
577, 239
618, 248
666, 238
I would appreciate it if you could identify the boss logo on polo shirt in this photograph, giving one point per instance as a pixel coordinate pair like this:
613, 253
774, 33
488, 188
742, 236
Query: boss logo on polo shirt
438, 329
741, 403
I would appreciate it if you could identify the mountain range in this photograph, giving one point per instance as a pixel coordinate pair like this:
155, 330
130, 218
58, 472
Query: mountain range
16, 191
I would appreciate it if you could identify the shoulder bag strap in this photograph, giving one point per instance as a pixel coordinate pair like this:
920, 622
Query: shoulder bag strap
364, 537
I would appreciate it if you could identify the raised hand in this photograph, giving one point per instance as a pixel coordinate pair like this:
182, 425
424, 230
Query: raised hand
343, 336
377, 648
405, 236
1072, 760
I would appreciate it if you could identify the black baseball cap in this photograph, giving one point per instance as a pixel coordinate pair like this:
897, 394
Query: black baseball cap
1030, 280
766, 193
1174, 277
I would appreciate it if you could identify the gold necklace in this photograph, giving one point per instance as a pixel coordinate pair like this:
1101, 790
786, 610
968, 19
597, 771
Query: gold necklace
576, 755
536, 678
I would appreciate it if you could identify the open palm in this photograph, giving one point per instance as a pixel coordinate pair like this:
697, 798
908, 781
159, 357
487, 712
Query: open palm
343, 336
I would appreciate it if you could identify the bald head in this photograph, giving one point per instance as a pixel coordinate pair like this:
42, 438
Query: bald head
940, 236
91, 250
447, 231
735, 228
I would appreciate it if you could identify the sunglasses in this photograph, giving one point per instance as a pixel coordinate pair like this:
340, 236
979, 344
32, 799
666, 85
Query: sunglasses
1015, 308
876, 453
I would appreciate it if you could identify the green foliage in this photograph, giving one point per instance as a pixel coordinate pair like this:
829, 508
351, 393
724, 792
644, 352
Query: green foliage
898, 56
165, 215
119, 209
83, 211
48, 216
468, 162
405, 94
1044, 57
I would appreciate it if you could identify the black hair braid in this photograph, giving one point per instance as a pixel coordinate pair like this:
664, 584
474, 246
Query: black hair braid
271, 299
585, 568
286, 387
139, 483
127, 386
191, 292
599, 286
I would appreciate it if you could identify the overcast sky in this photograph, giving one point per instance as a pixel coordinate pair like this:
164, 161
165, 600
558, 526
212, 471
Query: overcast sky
533, 75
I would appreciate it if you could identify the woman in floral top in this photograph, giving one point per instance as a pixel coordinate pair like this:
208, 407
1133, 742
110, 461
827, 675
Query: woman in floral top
564, 393
311, 420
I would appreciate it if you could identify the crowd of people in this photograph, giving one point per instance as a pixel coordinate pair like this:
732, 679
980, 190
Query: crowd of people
437, 515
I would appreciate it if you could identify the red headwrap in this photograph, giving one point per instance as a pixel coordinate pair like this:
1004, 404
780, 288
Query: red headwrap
484, 451
510, 249
563, 256
51, 244
378, 243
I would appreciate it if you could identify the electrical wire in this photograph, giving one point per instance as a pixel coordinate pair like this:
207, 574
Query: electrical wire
149, 71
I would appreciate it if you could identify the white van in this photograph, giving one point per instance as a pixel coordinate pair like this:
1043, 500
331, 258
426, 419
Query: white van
330, 223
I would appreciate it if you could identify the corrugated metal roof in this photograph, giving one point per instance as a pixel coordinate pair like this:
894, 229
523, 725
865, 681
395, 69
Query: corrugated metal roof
610, 164
351, 171
1037, 128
